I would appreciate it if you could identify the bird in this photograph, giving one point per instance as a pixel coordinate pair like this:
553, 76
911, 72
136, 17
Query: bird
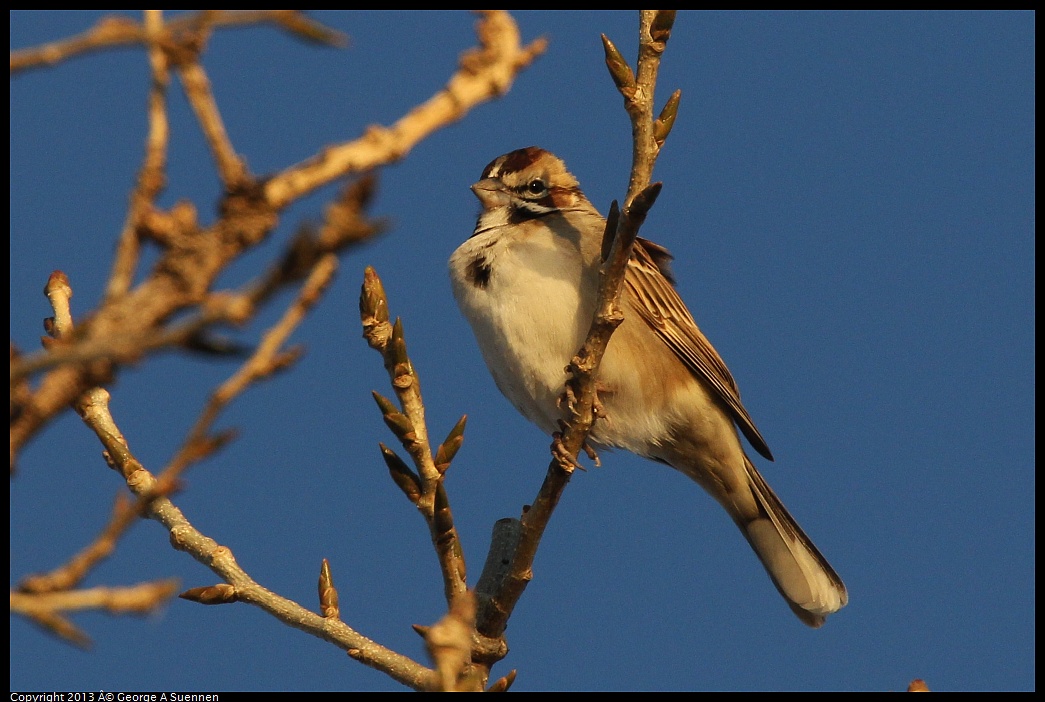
526, 281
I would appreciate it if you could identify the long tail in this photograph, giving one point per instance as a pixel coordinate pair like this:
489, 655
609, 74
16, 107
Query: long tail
800, 572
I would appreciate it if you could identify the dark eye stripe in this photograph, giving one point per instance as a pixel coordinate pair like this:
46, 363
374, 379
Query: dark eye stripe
527, 210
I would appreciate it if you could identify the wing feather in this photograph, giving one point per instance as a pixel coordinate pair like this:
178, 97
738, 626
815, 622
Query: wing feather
649, 281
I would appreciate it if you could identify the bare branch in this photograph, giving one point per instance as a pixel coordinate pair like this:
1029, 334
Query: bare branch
124, 513
94, 409
266, 359
46, 608
109, 32
132, 320
424, 488
151, 177
231, 168
346, 225
485, 73
117, 31
136, 599
449, 643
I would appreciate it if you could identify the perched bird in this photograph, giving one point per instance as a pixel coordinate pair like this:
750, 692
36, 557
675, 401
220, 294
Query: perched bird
526, 281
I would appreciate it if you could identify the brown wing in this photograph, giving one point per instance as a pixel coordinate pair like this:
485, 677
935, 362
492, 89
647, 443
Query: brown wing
649, 280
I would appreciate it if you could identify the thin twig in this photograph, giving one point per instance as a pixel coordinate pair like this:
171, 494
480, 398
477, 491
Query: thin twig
425, 488
113, 31
125, 513
45, 609
151, 178
94, 409
266, 359
136, 599
231, 168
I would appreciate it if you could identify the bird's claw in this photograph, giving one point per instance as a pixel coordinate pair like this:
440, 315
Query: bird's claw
565, 459
568, 399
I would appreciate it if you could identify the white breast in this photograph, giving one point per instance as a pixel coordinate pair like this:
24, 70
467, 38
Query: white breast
528, 317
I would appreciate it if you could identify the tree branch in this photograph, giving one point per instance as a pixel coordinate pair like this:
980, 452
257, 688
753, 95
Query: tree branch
117, 31
94, 410
485, 72
133, 321
581, 408
45, 608
425, 487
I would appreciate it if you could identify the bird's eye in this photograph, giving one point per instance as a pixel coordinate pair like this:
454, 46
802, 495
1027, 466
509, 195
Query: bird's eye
536, 186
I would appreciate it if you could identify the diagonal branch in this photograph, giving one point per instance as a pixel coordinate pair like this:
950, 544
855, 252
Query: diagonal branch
266, 359
94, 409
485, 72
621, 230
125, 513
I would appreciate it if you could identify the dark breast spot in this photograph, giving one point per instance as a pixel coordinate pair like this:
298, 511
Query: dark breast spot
478, 271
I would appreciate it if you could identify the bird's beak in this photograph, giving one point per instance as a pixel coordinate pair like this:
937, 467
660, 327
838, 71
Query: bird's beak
491, 193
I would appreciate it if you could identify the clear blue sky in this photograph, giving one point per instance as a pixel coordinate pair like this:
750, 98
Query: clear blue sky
850, 200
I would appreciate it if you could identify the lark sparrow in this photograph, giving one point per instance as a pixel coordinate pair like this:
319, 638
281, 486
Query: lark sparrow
526, 281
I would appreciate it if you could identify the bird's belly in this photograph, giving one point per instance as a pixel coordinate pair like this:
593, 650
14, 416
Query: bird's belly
529, 320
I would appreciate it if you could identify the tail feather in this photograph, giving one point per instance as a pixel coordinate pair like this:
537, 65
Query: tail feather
799, 571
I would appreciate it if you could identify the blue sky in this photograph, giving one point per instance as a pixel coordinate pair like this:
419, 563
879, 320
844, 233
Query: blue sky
849, 198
